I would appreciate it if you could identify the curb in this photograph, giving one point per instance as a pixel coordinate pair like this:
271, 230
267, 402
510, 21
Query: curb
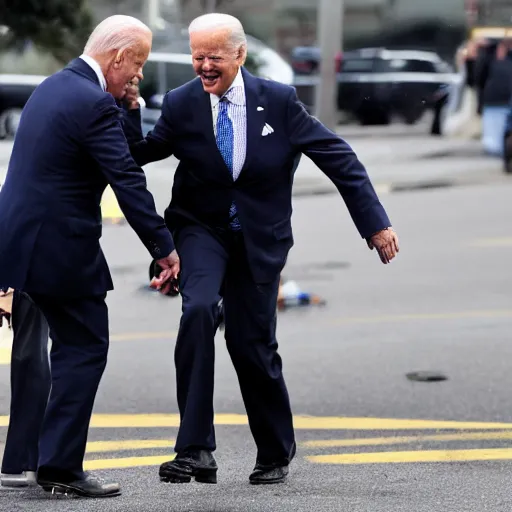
380, 188
404, 186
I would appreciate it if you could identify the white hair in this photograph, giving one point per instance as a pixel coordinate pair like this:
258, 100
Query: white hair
216, 21
116, 32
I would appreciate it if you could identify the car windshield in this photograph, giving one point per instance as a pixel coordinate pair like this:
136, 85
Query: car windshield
377, 65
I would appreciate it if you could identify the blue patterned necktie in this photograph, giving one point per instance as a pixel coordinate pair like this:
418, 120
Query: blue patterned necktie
225, 141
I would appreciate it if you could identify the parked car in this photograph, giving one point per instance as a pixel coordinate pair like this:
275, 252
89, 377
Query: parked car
15, 90
376, 84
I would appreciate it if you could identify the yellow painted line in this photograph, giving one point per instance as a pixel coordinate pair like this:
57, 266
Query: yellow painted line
414, 456
504, 241
341, 423
126, 462
135, 444
5, 356
381, 441
135, 336
498, 313
300, 422
111, 213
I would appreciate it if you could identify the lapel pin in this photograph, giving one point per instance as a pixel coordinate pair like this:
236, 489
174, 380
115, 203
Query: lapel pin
259, 109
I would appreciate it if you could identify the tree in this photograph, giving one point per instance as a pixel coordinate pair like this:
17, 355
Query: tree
60, 27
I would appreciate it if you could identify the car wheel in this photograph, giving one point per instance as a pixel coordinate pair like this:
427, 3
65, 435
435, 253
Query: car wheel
3, 126
12, 121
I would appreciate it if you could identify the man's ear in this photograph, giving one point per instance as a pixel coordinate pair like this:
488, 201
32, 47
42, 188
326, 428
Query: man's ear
242, 54
119, 58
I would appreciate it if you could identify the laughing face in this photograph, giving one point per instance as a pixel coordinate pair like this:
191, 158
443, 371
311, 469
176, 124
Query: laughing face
216, 60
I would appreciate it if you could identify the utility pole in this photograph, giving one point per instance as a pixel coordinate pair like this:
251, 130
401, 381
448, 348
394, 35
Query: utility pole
153, 13
211, 6
329, 36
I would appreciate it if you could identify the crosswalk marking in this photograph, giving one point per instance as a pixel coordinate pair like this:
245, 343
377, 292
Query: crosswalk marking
132, 444
414, 456
300, 422
381, 441
126, 462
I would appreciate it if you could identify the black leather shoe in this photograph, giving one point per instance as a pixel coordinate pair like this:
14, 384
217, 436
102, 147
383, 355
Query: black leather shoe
89, 487
268, 474
198, 464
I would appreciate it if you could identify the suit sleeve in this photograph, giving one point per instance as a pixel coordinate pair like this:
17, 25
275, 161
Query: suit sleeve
132, 125
339, 163
106, 143
159, 143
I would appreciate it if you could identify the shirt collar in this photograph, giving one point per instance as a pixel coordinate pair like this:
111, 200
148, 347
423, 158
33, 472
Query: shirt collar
97, 69
237, 99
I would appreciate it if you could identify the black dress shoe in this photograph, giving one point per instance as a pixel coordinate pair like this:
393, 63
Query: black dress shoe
198, 464
88, 487
268, 474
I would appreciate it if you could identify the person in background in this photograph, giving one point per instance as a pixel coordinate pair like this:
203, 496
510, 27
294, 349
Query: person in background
496, 95
30, 388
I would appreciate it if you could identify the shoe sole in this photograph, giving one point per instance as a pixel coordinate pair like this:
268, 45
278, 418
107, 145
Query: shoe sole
202, 476
68, 490
267, 482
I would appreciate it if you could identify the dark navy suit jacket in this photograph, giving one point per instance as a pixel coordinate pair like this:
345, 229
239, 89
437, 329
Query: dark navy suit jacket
70, 144
204, 189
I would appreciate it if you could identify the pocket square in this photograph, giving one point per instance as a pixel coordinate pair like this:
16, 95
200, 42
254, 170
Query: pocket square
267, 130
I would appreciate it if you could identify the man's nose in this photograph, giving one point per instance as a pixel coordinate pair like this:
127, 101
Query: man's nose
207, 65
140, 76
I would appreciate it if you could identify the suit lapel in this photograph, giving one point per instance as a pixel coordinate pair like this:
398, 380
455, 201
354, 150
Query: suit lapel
256, 112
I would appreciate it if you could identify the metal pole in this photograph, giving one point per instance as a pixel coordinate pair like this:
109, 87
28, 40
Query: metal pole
211, 6
329, 36
153, 13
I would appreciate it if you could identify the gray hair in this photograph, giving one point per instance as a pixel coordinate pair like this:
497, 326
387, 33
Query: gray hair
116, 32
216, 21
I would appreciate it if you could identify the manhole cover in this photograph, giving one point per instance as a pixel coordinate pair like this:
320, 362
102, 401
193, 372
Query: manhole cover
426, 376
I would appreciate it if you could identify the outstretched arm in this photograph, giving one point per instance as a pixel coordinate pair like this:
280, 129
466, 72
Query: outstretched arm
341, 165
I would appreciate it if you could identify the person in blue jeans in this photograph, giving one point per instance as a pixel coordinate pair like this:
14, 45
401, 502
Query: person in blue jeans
507, 142
30, 388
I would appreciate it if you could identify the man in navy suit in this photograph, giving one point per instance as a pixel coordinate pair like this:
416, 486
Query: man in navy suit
70, 144
238, 139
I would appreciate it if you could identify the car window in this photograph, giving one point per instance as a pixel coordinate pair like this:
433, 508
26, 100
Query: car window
405, 66
357, 65
419, 66
149, 86
177, 74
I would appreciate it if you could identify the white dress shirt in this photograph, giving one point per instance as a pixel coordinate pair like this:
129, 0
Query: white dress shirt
238, 116
97, 69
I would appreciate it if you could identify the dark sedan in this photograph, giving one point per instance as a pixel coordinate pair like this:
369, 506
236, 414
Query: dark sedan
376, 84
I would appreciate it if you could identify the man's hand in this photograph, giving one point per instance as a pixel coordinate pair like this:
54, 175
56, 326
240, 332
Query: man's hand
170, 270
132, 95
386, 243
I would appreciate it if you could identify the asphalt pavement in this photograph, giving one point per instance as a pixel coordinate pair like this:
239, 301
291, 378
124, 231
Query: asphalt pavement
369, 439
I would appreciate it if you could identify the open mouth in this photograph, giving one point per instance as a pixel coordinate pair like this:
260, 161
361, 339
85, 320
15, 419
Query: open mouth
210, 78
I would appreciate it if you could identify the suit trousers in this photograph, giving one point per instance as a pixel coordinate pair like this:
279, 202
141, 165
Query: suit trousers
78, 356
30, 385
213, 264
